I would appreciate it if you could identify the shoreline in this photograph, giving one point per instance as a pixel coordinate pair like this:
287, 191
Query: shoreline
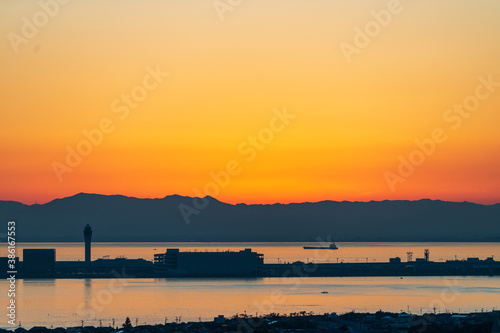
146, 269
254, 277
379, 321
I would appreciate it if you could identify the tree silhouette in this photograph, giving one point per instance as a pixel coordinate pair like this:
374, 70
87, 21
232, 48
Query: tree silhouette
127, 323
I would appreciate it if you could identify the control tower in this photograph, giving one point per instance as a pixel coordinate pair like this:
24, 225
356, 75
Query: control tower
87, 233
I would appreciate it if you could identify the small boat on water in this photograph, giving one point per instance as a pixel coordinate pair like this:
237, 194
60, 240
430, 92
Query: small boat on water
331, 247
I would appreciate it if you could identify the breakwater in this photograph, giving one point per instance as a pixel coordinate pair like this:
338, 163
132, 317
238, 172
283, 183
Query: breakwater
146, 269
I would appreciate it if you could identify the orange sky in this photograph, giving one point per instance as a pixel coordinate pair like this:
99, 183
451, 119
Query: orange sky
226, 80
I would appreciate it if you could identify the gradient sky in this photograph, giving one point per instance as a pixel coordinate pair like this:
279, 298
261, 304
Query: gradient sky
352, 120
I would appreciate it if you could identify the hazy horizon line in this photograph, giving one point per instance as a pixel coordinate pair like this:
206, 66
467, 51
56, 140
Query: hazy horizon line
242, 203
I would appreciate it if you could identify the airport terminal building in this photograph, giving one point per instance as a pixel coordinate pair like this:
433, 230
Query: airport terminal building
225, 263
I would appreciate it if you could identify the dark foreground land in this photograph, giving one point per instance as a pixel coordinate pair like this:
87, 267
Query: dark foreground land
484, 322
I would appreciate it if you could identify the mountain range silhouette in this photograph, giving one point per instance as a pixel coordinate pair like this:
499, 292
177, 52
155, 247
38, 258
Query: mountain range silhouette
127, 219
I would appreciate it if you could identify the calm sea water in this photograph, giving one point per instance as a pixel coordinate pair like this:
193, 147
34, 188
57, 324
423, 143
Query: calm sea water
60, 302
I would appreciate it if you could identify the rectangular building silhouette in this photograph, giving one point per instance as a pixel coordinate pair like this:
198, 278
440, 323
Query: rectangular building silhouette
39, 260
225, 263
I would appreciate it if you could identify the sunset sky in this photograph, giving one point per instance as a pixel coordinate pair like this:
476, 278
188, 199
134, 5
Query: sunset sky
353, 117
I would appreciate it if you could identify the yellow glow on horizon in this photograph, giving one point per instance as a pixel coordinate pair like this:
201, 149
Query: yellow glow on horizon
352, 120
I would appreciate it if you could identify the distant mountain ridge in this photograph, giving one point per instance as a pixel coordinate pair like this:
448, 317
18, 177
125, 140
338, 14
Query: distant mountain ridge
126, 219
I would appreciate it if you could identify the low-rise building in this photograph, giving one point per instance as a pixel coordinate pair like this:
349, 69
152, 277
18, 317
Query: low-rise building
223, 263
39, 261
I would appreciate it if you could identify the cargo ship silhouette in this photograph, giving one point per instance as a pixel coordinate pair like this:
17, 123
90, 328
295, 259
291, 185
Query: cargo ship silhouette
330, 247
